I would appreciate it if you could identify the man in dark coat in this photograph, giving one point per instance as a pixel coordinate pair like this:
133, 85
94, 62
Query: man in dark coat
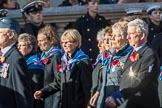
33, 12
88, 26
139, 81
15, 90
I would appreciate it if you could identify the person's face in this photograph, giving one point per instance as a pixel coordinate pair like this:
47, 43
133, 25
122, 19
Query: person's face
133, 37
73, 1
100, 46
5, 37
107, 41
24, 48
10, 4
93, 7
46, 3
69, 46
155, 15
36, 17
116, 40
43, 43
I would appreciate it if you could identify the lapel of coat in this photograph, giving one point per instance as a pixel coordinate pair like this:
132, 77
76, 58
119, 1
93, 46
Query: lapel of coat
10, 51
69, 74
129, 62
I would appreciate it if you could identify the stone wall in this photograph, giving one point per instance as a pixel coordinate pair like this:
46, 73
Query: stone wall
61, 16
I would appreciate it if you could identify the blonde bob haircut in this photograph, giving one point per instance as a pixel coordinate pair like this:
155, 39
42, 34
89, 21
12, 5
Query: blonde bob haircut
73, 36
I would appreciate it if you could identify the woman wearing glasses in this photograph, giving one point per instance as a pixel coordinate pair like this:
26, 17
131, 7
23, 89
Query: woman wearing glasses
75, 71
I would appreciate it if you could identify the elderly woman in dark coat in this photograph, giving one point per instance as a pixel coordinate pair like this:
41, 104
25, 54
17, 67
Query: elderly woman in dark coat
48, 43
75, 71
27, 45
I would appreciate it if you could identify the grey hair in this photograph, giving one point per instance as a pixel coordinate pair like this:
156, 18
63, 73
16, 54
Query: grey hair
100, 35
141, 26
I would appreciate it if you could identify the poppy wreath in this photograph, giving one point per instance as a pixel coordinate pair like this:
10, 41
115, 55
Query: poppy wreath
134, 57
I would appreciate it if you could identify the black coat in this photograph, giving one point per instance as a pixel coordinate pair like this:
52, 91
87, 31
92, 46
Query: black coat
15, 90
31, 29
153, 31
141, 90
88, 28
36, 73
75, 86
51, 75
157, 46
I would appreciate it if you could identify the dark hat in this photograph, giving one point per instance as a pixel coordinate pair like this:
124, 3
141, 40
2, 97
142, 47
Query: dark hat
92, 1
33, 6
3, 12
153, 7
133, 11
10, 23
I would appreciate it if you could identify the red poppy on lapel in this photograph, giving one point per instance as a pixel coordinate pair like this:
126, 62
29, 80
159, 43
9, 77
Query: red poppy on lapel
46, 61
134, 57
105, 54
116, 62
59, 68
2, 59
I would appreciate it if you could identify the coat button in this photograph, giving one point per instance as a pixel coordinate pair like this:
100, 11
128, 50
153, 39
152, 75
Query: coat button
89, 39
91, 59
88, 29
90, 49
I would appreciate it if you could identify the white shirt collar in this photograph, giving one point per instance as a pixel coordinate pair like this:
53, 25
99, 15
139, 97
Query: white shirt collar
4, 50
141, 46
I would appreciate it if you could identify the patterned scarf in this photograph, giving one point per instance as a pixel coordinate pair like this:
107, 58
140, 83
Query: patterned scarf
67, 63
33, 62
50, 53
116, 57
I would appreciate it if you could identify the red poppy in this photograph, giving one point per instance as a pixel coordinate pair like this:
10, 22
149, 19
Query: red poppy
59, 68
46, 61
105, 54
2, 59
116, 62
134, 57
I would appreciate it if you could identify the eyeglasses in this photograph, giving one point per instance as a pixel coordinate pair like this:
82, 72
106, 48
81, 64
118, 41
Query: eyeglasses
23, 45
67, 42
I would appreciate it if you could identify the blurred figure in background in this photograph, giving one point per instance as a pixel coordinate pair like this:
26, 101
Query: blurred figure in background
46, 3
72, 3
27, 45
155, 25
33, 12
9, 4
88, 26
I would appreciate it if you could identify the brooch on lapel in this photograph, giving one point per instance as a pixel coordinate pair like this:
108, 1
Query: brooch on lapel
3, 67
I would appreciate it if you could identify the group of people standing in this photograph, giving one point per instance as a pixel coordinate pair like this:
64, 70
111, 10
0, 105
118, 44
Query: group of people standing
40, 70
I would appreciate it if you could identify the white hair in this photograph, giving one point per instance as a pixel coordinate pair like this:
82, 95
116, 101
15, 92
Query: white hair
141, 26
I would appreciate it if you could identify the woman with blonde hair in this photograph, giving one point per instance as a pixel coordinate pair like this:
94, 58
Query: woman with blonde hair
76, 74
